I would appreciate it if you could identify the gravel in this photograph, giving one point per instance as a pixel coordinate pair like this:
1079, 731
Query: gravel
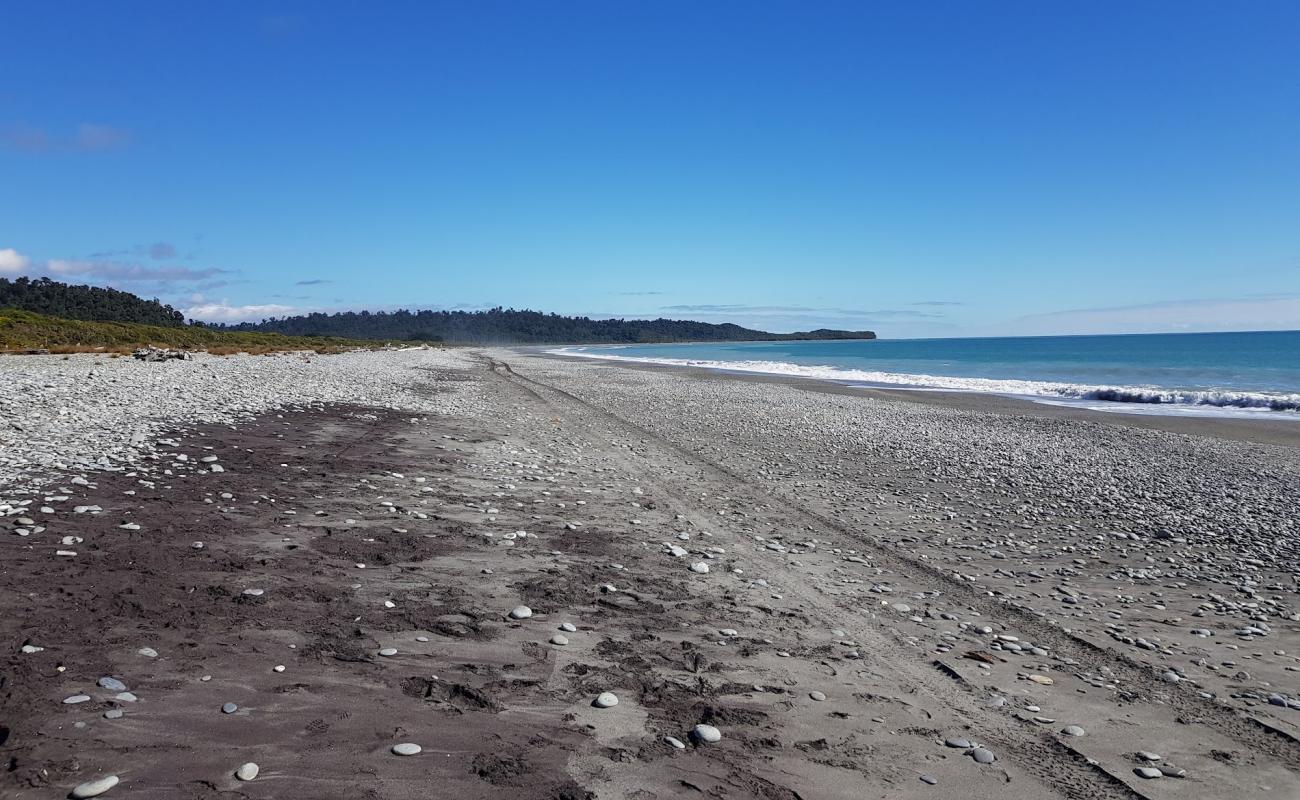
100, 413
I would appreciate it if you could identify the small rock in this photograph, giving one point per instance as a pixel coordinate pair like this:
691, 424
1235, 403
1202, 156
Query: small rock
1073, 730
559, 639
406, 749
388, 651
1148, 773
983, 756
675, 742
112, 684
706, 733
606, 700
229, 708
247, 772
521, 612
818, 696
96, 787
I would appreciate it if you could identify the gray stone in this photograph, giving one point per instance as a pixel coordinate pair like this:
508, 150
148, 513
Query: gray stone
606, 700
112, 684
406, 749
95, 788
706, 733
229, 708
247, 772
983, 756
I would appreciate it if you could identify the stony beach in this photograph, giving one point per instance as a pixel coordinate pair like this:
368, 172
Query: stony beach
492, 573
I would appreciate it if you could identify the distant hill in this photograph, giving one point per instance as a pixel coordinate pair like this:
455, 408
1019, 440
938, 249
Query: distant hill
510, 326
57, 299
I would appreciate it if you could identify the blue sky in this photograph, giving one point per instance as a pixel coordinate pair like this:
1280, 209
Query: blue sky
937, 168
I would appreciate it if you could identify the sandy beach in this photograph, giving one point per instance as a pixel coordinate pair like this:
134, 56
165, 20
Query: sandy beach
312, 563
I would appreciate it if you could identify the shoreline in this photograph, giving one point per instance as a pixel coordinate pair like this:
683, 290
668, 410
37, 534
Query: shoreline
861, 597
1261, 431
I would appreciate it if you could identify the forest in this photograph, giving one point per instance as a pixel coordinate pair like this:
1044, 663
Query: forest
511, 326
91, 303
491, 326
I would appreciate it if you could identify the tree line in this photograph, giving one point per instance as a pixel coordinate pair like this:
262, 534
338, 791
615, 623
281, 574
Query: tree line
58, 299
512, 326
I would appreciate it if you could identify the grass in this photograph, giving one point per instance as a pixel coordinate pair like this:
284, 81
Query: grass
24, 330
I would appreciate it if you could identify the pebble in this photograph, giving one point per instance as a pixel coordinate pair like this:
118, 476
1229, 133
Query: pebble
958, 742
606, 700
521, 612
568, 627
113, 713
96, 787
1148, 773
112, 684
148, 652
818, 696
247, 772
983, 756
388, 651
229, 708
675, 742
1073, 730
930, 779
406, 749
76, 698
706, 733
559, 639
699, 567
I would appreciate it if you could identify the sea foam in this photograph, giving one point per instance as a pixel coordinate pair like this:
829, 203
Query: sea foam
1143, 395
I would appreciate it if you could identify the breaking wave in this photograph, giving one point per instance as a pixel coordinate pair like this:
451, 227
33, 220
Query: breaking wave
1146, 395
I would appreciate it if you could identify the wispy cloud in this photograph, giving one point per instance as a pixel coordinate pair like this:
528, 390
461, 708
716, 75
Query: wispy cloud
739, 308
937, 303
161, 251
1268, 312
85, 138
639, 294
313, 282
126, 272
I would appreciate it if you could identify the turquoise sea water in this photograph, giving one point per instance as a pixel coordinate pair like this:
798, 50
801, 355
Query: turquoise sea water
1255, 373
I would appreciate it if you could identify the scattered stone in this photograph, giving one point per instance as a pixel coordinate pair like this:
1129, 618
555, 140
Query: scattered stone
229, 708
247, 772
606, 700
521, 612
983, 756
559, 639
406, 749
112, 684
95, 788
706, 733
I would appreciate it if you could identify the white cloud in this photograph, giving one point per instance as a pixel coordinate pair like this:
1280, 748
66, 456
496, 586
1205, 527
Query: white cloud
221, 312
12, 261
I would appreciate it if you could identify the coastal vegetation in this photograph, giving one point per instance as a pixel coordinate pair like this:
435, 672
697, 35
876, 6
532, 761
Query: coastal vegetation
58, 299
24, 331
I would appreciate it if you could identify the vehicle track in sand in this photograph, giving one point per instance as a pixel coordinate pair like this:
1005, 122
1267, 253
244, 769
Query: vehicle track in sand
1055, 763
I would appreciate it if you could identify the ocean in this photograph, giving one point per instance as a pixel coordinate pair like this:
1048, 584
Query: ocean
1251, 375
